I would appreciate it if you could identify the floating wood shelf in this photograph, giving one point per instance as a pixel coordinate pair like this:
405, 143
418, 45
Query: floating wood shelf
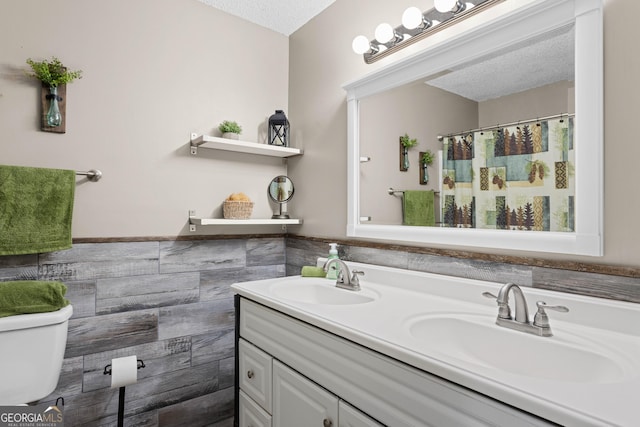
215, 143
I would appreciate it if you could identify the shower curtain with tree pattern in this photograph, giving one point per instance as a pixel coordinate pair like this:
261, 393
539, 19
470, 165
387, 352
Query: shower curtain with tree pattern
511, 178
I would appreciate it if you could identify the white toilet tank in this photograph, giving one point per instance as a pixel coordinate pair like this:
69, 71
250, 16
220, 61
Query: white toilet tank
31, 355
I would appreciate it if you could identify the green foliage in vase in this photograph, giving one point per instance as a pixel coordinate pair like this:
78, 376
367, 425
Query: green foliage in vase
408, 142
427, 158
52, 73
229, 126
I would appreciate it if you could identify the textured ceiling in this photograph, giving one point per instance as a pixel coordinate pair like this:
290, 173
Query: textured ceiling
536, 63
283, 16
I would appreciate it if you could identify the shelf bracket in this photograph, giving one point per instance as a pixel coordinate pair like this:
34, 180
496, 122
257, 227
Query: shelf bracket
192, 213
194, 146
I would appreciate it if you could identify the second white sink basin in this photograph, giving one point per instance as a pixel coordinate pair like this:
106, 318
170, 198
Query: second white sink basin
478, 340
320, 291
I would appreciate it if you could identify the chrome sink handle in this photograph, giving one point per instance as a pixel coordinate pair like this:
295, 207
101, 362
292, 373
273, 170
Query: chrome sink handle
541, 319
504, 312
355, 281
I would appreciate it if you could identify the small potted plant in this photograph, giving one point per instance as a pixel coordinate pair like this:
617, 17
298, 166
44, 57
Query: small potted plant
53, 74
426, 159
230, 130
405, 144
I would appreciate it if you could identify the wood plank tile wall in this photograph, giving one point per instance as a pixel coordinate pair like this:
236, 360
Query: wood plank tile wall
167, 302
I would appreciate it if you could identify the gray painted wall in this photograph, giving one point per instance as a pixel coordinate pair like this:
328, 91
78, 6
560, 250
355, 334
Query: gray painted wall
321, 61
153, 72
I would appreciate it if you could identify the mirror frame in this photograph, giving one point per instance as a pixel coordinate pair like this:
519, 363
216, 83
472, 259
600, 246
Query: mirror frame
273, 199
506, 24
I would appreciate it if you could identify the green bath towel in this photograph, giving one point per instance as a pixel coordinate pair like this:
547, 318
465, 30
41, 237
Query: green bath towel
36, 207
31, 296
417, 208
312, 271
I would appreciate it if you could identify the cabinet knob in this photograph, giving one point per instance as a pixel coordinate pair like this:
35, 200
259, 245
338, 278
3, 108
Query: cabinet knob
250, 373
327, 422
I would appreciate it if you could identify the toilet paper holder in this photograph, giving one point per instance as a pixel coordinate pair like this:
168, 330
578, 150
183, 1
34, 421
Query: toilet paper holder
107, 371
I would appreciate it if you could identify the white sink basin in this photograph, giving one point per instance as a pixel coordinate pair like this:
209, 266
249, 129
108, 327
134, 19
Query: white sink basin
320, 291
478, 340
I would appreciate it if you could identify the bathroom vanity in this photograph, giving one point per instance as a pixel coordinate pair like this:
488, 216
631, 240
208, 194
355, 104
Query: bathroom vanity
419, 349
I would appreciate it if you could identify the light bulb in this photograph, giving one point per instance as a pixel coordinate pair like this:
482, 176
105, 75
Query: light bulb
444, 6
361, 45
384, 33
412, 18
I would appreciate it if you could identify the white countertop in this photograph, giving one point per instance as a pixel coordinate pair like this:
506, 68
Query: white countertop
402, 297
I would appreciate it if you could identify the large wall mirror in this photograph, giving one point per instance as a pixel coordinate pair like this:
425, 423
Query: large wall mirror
531, 68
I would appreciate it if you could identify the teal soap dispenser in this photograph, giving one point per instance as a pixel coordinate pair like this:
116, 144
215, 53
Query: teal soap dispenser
334, 268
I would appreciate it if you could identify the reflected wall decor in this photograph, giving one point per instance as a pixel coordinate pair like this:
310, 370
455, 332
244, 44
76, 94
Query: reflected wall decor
511, 178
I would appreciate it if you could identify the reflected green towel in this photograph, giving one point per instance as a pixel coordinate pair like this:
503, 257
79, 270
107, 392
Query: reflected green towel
417, 208
36, 207
31, 296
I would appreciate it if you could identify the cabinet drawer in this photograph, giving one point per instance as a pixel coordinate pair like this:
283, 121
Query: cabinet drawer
255, 373
251, 414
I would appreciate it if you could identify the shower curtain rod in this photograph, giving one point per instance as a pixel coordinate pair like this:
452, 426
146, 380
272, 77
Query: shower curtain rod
498, 126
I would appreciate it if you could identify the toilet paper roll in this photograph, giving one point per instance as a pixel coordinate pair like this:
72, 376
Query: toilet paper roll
124, 371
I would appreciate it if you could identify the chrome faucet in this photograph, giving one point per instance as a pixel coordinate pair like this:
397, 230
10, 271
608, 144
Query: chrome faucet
346, 280
540, 325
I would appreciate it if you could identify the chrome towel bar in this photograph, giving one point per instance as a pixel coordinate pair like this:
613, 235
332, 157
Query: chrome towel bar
393, 192
92, 175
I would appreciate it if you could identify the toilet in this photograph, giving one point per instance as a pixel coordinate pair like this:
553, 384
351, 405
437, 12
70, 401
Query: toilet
33, 348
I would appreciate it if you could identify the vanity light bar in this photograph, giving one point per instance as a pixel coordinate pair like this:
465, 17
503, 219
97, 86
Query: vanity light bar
389, 40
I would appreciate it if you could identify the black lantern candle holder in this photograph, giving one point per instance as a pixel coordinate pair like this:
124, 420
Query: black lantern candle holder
278, 129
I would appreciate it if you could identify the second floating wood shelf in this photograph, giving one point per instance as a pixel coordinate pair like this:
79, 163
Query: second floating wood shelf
222, 221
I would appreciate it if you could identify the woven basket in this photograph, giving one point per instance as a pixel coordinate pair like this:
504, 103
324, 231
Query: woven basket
236, 209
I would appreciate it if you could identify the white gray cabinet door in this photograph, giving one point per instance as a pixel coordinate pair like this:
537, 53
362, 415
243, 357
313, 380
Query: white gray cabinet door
351, 417
300, 402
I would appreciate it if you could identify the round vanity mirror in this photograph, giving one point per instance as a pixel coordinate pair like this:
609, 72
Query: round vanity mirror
280, 191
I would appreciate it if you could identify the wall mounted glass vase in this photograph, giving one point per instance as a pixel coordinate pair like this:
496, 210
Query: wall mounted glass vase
424, 173
54, 108
404, 158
